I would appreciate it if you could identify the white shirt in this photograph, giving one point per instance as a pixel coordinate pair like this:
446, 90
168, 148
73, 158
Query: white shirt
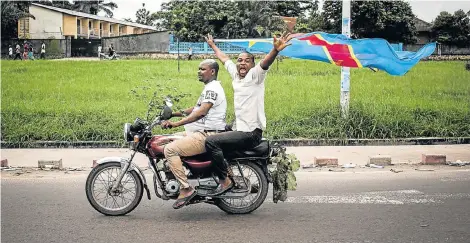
43, 48
215, 118
248, 97
10, 51
99, 48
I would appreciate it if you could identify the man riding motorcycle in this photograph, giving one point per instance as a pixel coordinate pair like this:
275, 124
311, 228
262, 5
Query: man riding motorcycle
248, 85
206, 118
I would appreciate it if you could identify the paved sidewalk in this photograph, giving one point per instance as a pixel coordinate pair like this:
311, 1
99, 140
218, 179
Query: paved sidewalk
359, 155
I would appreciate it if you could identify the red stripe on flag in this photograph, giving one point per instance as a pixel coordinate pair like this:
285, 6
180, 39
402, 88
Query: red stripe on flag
338, 52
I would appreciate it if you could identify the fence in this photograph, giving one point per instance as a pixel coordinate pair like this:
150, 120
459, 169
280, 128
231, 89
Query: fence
156, 42
441, 49
203, 48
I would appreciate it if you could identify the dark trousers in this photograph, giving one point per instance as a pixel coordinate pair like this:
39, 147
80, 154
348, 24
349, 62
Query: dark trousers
217, 144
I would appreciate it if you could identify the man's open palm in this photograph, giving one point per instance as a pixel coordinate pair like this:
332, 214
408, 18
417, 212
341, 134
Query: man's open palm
282, 42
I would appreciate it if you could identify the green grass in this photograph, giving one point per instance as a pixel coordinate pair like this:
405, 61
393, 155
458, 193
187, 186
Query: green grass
79, 100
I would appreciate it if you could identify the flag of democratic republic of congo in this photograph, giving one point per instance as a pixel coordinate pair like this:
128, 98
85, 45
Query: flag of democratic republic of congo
343, 51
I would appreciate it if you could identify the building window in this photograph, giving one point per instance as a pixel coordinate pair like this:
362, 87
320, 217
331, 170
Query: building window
79, 27
110, 29
89, 24
24, 28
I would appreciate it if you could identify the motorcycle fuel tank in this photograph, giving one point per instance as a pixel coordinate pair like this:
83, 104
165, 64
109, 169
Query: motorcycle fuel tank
157, 143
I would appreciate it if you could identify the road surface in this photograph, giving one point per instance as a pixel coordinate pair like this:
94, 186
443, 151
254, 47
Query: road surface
344, 205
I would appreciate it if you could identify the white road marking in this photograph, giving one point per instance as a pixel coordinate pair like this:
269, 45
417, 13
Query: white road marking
399, 197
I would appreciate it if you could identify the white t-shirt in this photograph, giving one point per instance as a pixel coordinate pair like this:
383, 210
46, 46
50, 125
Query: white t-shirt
215, 118
10, 51
99, 48
43, 48
248, 96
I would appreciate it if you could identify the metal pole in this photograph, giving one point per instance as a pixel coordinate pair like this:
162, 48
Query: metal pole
178, 46
345, 75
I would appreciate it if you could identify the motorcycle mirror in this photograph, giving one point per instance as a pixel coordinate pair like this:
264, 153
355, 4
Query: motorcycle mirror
168, 102
166, 112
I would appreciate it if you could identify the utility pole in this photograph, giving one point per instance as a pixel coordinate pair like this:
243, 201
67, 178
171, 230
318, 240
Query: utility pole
345, 74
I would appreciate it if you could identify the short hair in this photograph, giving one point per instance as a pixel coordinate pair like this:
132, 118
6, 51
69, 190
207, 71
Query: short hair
250, 55
212, 65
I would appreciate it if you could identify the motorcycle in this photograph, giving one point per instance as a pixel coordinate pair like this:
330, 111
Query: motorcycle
115, 186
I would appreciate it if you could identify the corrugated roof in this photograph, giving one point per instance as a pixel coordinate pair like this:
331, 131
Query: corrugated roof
91, 16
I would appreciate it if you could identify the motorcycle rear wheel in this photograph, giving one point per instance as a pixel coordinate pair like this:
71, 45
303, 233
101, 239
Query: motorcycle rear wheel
97, 180
228, 205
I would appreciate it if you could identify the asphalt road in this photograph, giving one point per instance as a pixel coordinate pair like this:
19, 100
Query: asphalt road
358, 205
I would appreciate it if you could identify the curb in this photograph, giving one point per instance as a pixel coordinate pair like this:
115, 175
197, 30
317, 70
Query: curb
283, 142
382, 161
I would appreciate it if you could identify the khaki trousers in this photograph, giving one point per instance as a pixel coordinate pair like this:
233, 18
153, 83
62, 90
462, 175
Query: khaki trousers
192, 144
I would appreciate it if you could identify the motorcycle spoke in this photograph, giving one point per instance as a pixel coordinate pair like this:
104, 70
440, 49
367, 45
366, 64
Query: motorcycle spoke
102, 179
127, 180
122, 197
114, 202
131, 193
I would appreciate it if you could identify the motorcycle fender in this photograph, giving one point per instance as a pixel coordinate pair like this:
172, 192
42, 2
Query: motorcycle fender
123, 161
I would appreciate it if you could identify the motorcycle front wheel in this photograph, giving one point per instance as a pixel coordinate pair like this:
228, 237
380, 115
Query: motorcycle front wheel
259, 190
113, 203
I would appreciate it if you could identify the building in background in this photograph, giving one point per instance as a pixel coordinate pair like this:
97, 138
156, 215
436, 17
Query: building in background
58, 23
423, 30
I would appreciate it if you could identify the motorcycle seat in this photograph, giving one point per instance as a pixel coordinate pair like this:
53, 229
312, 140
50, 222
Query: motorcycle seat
262, 150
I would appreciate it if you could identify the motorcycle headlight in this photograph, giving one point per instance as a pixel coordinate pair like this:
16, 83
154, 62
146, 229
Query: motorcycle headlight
127, 135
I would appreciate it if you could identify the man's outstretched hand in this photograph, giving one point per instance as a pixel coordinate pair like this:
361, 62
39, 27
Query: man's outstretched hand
282, 42
209, 39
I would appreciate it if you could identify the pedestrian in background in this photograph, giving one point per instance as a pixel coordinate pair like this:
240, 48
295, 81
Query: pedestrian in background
43, 51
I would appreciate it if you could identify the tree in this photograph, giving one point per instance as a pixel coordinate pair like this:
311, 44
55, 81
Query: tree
390, 20
189, 20
258, 18
452, 29
311, 19
11, 12
94, 7
59, 4
331, 16
294, 8
144, 17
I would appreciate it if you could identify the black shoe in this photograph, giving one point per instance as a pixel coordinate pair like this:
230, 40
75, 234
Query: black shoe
220, 190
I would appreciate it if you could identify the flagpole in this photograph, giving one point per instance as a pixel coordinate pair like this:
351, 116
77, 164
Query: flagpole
345, 74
